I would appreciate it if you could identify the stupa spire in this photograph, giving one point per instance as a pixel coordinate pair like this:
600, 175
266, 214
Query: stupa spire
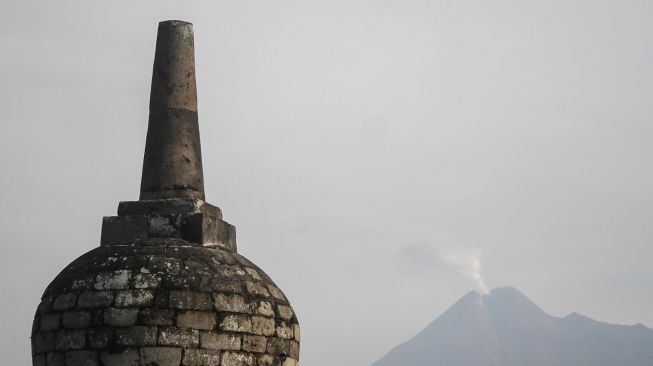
172, 165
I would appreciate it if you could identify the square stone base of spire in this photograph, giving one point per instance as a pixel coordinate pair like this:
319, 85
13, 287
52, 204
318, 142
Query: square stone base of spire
191, 220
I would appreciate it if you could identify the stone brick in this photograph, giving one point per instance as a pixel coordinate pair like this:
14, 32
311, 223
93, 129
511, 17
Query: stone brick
256, 289
95, 299
290, 362
219, 285
297, 332
193, 300
274, 290
70, 339
263, 326
279, 347
161, 299
81, 358
76, 319
164, 265
201, 357
152, 316
265, 308
284, 331
252, 272
43, 342
120, 317
204, 320
238, 359
124, 357
160, 356
172, 336
84, 283
134, 298
49, 321
267, 360
38, 360
237, 323
64, 301
285, 312
56, 359
254, 343
114, 280
146, 281
99, 337
136, 336
232, 303
221, 341
231, 271
45, 306
294, 350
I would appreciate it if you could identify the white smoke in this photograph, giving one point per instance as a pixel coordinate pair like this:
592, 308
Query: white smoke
467, 261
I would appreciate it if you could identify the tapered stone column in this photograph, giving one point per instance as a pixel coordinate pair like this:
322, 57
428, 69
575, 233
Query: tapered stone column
172, 166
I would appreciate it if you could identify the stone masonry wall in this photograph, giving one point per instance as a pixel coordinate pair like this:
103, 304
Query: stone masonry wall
166, 304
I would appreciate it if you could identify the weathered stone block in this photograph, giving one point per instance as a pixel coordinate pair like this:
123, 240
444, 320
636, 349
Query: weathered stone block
95, 299
81, 358
278, 346
285, 312
160, 356
290, 362
201, 357
237, 323
38, 360
297, 332
49, 321
274, 290
238, 359
263, 326
56, 359
256, 289
123, 229
120, 317
193, 300
153, 316
135, 336
114, 280
147, 281
204, 320
70, 339
284, 331
164, 265
252, 343
267, 360
65, 301
76, 319
254, 273
134, 298
220, 341
294, 350
124, 357
172, 336
265, 309
232, 303
99, 337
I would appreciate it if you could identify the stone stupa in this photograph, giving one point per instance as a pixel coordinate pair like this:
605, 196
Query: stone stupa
166, 287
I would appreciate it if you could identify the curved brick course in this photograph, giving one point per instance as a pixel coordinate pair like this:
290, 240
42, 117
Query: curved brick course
165, 304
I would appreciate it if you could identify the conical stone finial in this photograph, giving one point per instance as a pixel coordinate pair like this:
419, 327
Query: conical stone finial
172, 165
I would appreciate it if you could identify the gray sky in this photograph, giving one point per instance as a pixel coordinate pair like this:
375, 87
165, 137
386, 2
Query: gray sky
371, 153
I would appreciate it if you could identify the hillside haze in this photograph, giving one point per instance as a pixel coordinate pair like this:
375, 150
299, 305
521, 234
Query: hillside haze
505, 328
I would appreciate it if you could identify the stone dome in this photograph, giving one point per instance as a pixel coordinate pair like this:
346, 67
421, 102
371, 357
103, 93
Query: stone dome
166, 286
164, 304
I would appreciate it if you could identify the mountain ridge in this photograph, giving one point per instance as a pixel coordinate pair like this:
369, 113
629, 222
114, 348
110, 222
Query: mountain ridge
505, 328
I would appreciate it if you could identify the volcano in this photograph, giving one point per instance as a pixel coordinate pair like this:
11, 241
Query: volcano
505, 328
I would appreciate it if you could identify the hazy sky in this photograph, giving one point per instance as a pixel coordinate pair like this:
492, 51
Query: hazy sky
373, 155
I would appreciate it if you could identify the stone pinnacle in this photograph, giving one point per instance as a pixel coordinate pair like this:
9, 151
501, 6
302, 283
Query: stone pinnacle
172, 165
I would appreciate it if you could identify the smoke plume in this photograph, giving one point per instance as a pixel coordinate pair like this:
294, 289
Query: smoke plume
468, 263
